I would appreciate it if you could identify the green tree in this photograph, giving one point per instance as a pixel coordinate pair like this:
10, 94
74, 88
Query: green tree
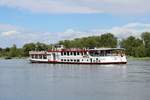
28, 47
146, 38
90, 42
5, 52
35, 47
66, 43
41, 46
13, 51
1, 52
134, 46
108, 40
105, 40
1, 49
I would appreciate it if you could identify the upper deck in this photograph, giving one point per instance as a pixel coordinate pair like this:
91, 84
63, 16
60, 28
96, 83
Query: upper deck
90, 52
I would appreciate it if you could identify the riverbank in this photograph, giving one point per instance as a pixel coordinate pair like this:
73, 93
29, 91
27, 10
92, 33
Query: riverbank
13, 58
138, 58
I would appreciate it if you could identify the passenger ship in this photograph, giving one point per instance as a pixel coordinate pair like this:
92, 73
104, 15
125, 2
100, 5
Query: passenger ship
79, 56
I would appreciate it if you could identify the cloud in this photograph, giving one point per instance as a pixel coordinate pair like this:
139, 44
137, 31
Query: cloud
121, 32
47, 6
81, 6
6, 27
9, 33
20, 36
124, 31
131, 29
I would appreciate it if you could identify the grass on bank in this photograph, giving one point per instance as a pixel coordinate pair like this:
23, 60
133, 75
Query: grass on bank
138, 58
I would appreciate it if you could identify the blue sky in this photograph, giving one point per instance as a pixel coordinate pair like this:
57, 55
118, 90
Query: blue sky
48, 21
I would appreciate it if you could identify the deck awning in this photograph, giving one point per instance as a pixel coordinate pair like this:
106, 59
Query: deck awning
106, 49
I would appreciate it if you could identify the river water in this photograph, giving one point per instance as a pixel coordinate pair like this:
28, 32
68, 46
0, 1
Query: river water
21, 80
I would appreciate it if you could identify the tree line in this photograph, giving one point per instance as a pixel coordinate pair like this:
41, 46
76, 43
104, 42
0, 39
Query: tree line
136, 47
24, 51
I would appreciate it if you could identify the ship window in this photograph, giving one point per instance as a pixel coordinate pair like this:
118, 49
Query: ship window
64, 53
74, 60
49, 54
36, 56
32, 56
61, 59
82, 59
77, 53
61, 53
96, 58
64, 59
70, 53
78, 60
71, 60
87, 60
67, 53
40, 56
74, 53
44, 57
68, 60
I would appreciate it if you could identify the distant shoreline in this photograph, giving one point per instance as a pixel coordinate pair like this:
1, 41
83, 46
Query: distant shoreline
6, 58
138, 58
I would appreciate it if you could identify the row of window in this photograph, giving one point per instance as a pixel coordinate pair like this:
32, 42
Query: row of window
77, 60
72, 53
72, 60
106, 53
39, 56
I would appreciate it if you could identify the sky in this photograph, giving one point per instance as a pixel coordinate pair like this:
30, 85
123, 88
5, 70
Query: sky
49, 21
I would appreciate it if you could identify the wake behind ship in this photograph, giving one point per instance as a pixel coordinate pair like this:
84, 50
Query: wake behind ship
79, 56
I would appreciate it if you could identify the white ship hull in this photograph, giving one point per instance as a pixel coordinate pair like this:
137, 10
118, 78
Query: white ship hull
100, 60
79, 56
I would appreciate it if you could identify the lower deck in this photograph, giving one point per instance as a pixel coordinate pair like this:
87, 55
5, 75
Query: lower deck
57, 62
81, 60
